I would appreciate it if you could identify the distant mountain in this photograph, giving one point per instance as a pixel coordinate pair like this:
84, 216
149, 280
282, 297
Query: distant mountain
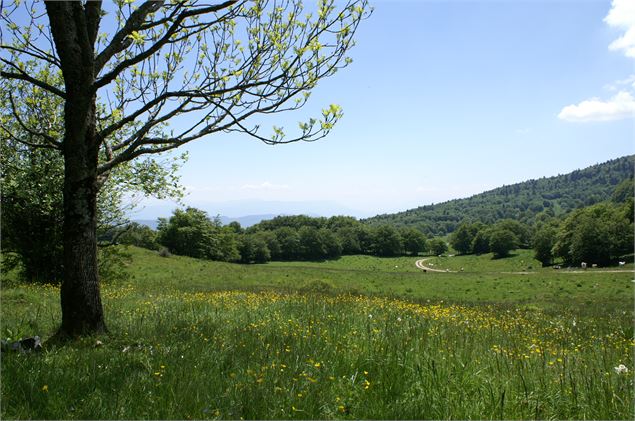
244, 221
152, 223
247, 221
522, 201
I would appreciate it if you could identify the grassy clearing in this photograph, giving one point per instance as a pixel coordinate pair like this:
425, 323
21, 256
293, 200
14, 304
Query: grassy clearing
194, 339
519, 261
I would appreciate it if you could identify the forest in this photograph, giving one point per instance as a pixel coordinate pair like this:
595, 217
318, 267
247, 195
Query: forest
523, 202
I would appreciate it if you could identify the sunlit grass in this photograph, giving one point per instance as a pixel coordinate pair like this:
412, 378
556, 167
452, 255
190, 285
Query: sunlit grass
181, 348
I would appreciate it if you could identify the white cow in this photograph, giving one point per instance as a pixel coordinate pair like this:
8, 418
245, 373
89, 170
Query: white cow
583, 265
621, 263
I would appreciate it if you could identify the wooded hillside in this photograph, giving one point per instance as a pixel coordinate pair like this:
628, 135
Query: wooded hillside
522, 201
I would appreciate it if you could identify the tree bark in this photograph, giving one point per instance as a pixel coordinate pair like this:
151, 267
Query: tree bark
73, 29
82, 311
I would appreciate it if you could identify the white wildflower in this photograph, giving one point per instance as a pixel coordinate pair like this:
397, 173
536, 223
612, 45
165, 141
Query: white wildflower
621, 369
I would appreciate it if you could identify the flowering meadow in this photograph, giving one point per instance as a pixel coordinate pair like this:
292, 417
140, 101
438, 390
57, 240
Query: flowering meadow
189, 353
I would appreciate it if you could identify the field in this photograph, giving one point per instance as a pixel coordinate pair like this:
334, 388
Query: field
360, 337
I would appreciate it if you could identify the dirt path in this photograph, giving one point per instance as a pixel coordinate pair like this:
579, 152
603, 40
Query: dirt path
420, 264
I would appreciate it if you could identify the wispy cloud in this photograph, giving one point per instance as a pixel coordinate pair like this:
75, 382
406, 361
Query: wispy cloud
620, 106
618, 85
265, 186
622, 16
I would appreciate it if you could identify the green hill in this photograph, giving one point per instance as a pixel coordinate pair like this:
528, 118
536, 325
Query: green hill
522, 201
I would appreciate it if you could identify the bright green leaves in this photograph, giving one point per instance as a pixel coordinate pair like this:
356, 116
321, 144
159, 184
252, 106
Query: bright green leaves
136, 38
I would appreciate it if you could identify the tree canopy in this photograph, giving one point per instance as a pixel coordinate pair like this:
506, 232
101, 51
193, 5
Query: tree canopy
164, 74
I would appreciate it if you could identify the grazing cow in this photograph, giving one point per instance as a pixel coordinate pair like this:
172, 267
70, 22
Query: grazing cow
594, 265
583, 265
621, 263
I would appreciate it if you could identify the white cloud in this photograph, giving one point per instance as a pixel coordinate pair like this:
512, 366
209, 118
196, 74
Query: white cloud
622, 16
620, 106
265, 186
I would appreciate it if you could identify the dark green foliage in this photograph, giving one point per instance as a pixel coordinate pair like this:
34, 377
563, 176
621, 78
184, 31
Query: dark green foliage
272, 243
302, 237
350, 240
520, 230
437, 246
624, 191
311, 248
543, 242
462, 238
480, 242
413, 241
289, 241
387, 241
597, 234
235, 226
289, 221
330, 243
139, 235
191, 233
253, 249
502, 241
32, 215
522, 202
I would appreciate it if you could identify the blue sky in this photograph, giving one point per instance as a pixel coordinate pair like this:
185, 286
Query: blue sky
444, 99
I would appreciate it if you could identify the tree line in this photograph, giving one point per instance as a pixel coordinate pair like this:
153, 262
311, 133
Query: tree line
190, 232
523, 202
598, 234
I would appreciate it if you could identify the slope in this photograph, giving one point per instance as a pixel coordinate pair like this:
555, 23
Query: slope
522, 201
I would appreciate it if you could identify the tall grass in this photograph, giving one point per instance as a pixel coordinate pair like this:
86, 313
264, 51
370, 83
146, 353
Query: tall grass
239, 354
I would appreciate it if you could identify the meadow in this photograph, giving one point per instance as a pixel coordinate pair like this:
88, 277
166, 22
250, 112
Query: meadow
360, 337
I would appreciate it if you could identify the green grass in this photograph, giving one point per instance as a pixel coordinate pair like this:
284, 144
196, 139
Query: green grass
356, 338
518, 261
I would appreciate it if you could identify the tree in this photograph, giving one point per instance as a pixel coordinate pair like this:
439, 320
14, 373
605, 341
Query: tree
349, 240
413, 240
289, 242
387, 241
191, 233
543, 242
461, 239
139, 235
311, 246
502, 241
480, 242
211, 67
437, 246
31, 181
595, 234
521, 231
253, 249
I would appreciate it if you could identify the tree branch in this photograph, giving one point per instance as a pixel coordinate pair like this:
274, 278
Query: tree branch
92, 11
121, 41
24, 76
110, 76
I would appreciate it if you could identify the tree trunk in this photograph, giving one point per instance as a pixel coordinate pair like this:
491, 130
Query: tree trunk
74, 27
82, 311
